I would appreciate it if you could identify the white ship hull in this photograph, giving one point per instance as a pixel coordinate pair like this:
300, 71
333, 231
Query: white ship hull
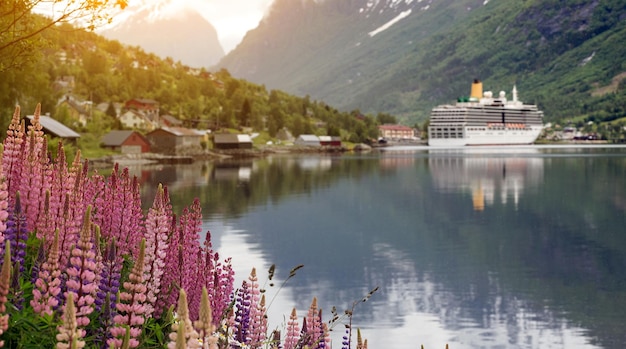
471, 136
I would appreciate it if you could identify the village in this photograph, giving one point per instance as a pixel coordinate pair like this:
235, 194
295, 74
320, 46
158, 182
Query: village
145, 133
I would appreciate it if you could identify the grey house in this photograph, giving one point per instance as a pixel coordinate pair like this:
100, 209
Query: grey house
175, 140
231, 141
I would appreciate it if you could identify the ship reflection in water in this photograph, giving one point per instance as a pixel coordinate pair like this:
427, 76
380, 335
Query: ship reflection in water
489, 174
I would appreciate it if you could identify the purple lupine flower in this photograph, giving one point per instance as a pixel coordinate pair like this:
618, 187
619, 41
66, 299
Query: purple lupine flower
345, 341
242, 313
48, 284
81, 273
131, 307
108, 286
17, 235
158, 225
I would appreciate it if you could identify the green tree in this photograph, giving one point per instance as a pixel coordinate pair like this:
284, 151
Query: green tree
384, 118
245, 113
21, 28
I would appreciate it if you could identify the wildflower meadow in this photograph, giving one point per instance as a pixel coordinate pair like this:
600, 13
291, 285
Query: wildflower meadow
84, 267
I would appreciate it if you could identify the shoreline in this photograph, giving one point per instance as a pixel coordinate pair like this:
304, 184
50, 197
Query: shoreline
156, 158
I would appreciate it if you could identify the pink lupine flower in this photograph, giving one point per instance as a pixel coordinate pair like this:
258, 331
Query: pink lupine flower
158, 225
171, 278
293, 331
48, 283
258, 326
35, 170
130, 307
257, 320
5, 279
190, 227
315, 329
117, 210
69, 336
69, 230
4, 202
218, 278
183, 263
12, 153
81, 273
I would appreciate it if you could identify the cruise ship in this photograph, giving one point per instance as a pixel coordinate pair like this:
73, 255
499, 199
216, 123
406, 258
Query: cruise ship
483, 119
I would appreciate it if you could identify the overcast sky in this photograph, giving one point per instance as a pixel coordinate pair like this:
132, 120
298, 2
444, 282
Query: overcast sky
231, 18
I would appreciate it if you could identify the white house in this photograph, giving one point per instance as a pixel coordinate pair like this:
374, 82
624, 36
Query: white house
308, 141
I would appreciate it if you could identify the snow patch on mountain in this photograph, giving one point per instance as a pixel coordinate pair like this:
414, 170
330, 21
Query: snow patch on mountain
371, 5
388, 25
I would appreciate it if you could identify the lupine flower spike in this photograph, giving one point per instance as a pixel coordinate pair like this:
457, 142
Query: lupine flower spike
131, 305
4, 201
293, 331
69, 336
5, 279
48, 283
204, 326
13, 151
81, 273
183, 335
158, 225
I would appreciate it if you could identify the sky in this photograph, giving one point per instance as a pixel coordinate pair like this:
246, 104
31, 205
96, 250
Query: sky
231, 18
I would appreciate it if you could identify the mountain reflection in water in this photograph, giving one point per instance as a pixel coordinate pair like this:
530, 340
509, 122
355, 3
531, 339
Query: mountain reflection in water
479, 250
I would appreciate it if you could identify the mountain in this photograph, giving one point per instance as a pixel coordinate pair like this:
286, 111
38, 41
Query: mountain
184, 36
404, 57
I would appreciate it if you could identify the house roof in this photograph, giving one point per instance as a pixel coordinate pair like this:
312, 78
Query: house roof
143, 101
171, 120
243, 138
54, 127
309, 138
325, 138
180, 131
395, 127
225, 138
116, 138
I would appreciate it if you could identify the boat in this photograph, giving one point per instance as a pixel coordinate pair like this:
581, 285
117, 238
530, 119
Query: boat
483, 119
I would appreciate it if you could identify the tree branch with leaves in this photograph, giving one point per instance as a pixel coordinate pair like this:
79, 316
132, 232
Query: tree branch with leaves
22, 22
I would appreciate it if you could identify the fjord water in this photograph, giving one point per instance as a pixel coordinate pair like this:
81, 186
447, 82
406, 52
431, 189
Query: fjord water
475, 248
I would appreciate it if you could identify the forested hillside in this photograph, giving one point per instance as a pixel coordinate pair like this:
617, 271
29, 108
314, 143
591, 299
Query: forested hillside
565, 56
105, 71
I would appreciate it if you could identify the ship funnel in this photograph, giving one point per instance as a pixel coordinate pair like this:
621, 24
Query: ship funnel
477, 90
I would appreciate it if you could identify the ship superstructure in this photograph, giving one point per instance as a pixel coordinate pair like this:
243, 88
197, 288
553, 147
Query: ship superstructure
483, 119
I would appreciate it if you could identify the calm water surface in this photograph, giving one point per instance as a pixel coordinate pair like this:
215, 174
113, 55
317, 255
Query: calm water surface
477, 248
